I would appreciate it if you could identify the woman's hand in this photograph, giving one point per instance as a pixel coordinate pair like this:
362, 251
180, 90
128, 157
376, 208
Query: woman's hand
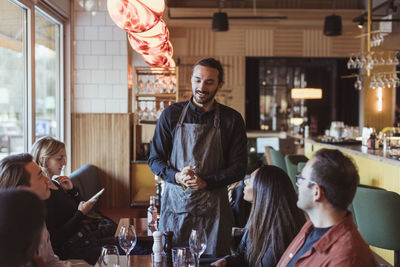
220, 263
65, 182
86, 206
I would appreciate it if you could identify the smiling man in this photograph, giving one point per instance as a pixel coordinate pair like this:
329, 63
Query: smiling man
19, 171
198, 148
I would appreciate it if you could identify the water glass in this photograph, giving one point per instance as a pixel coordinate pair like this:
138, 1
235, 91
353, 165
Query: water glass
109, 257
161, 262
179, 256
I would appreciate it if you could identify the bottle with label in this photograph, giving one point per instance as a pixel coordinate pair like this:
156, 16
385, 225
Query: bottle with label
371, 141
152, 216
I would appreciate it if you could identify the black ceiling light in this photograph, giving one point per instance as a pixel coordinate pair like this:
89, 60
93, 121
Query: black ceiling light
220, 22
333, 25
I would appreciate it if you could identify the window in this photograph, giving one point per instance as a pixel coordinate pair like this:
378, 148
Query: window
47, 75
18, 124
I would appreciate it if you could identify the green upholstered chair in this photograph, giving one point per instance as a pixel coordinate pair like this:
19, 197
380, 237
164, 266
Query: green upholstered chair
278, 159
291, 166
378, 218
300, 166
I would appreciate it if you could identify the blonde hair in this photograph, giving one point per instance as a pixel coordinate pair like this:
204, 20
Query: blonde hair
43, 149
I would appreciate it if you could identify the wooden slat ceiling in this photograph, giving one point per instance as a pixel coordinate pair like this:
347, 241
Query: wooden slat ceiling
276, 4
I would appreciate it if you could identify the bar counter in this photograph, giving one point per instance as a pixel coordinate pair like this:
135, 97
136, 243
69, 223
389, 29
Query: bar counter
357, 150
374, 167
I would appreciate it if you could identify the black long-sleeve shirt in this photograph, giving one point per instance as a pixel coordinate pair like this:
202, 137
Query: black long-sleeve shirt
233, 139
63, 217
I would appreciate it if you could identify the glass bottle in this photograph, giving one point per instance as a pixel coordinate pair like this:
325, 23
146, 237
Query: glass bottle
152, 216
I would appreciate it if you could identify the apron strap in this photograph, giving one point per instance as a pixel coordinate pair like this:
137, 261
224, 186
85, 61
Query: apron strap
216, 116
183, 114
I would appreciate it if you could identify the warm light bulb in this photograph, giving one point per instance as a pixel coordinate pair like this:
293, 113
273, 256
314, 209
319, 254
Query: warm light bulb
379, 102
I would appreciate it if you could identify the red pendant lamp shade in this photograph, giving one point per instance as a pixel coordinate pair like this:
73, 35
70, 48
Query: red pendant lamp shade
147, 32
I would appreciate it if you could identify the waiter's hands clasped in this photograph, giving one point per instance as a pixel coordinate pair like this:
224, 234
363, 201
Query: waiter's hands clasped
189, 178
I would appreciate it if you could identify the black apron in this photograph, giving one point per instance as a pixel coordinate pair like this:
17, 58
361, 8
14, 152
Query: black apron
186, 209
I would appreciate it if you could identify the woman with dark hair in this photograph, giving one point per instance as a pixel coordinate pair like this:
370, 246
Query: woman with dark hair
273, 222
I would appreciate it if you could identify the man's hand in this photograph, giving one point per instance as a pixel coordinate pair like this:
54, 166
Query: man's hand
189, 178
183, 174
219, 263
194, 182
65, 182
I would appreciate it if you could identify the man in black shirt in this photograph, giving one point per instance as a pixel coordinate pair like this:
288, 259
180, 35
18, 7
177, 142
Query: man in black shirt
198, 148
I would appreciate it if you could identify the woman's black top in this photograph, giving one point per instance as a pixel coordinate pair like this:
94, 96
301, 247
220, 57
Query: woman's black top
63, 217
239, 258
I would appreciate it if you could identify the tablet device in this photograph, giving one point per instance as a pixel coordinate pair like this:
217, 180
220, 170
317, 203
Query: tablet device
97, 194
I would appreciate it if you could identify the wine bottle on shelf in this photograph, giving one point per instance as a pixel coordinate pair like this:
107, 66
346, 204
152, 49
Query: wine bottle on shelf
152, 216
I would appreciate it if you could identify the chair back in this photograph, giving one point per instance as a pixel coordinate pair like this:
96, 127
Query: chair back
300, 166
278, 159
268, 155
291, 166
378, 218
87, 180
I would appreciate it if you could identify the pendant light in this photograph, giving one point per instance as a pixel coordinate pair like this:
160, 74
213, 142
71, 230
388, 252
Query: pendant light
333, 24
220, 20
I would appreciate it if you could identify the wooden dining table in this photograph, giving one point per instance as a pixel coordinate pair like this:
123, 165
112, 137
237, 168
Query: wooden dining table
139, 261
145, 261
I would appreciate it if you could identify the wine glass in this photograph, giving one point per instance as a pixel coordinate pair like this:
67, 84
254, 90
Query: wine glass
197, 244
127, 240
109, 257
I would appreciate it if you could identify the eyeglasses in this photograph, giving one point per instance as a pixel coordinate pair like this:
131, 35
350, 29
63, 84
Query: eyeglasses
299, 177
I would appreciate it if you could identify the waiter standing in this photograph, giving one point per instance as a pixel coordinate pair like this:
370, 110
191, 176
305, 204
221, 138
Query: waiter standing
199, 147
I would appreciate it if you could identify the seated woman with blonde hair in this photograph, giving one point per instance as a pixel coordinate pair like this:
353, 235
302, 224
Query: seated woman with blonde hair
75, 232
274, 219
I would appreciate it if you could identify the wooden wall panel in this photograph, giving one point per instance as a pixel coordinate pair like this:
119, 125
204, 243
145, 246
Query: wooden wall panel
288, 43
345, 44
259, 42
316, 44
235, 79
201, 41
230, 43
104, 141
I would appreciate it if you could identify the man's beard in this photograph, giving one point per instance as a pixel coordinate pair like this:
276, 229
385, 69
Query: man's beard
207, 100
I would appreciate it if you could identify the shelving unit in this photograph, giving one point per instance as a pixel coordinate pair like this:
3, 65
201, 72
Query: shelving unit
154, 90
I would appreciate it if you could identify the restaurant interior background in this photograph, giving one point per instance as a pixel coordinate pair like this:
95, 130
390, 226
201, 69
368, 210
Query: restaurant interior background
68, 71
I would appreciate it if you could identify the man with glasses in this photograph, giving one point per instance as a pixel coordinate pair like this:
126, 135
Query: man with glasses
327, 186
19, 171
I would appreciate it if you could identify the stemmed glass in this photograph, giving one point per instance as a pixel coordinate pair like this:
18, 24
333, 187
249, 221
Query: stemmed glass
197, 244
351, 63
358, 84
109, 257
127, 240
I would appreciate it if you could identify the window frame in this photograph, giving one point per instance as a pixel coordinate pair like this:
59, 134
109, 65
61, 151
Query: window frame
30, 7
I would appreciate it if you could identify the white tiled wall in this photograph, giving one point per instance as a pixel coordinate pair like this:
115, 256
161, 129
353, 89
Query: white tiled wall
100, 61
